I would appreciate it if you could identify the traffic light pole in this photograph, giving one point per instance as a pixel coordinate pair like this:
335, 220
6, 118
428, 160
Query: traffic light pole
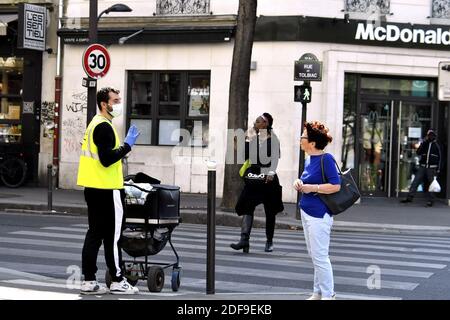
93, 35
301, 161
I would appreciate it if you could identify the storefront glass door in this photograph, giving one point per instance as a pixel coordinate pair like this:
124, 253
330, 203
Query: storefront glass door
390, 133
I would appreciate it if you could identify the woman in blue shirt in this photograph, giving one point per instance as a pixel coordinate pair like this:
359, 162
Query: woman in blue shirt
316, 219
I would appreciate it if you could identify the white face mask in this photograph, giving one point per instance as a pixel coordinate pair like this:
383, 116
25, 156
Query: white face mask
116, 110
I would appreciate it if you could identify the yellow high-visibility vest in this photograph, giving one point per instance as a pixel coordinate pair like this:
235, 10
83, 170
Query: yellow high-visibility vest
91, 173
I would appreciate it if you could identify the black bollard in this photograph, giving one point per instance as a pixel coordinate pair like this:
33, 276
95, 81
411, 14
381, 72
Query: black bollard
50, 187
211, 232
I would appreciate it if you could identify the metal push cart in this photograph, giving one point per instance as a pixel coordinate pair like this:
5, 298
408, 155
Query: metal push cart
150, 218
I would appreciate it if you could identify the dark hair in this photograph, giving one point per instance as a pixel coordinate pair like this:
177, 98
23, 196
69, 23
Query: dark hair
432, 133
269, 120
318, 133
103, 95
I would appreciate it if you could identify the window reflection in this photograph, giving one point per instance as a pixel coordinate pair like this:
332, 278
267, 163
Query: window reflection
141, 94
198, 95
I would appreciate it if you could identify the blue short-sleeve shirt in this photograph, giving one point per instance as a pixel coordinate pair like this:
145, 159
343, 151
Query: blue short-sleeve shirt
312, 174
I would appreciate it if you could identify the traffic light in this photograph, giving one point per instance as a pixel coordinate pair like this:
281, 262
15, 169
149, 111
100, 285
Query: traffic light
302, 94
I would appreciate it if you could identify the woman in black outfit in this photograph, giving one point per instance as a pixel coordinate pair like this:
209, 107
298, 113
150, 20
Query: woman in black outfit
261, 181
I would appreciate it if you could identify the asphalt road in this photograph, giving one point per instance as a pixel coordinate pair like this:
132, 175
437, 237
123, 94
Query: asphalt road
40, 258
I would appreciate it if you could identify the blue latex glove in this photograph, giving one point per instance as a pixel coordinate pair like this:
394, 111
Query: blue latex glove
132, 135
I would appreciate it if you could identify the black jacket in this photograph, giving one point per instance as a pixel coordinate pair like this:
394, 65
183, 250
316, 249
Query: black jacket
264, 154
105, 141
430, 154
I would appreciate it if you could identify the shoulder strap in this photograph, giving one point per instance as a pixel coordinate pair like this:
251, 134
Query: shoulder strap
324, 178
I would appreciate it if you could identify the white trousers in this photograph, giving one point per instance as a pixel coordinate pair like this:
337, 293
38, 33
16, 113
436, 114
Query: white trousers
317, 237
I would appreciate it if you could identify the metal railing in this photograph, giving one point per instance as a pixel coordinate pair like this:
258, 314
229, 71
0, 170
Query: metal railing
440, 9
182, 7
367, 6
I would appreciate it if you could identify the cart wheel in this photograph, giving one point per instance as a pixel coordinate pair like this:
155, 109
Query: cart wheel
108, 278
155, 279
176, 274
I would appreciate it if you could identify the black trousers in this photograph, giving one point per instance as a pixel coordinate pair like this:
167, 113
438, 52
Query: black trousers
106, 217
425, 176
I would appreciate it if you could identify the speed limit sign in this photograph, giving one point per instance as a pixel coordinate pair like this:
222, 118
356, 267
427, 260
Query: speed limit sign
96, 61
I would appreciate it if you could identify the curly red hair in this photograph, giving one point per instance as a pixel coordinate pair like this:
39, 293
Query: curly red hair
318, 133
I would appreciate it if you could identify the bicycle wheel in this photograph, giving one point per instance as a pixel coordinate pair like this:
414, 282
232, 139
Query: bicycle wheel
13, 172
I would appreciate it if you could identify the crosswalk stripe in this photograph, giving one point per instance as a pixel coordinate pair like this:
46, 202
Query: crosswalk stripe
193, 235
333, 257
49, 235
296, 276
235, 288
30, 268
334, 240
351, 253
7, 293
301, 246
219, 257
21, 274
332, 244
193, 283
283, 235
282, 232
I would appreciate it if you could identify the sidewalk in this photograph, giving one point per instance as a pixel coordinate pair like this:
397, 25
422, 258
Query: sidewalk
372, 214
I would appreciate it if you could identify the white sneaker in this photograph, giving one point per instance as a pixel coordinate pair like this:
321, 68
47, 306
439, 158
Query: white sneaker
92, 287
315, 296
122, 287
333, 297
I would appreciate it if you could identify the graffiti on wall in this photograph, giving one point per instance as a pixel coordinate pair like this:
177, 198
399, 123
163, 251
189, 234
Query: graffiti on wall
78, 103
48, 119
73, 126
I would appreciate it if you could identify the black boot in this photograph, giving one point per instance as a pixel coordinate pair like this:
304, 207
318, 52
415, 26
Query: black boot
246, 228
269, 246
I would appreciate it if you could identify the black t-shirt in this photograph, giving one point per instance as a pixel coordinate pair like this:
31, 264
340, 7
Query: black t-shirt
105, 141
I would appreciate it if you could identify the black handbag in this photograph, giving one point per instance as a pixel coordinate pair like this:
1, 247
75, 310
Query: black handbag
345, 197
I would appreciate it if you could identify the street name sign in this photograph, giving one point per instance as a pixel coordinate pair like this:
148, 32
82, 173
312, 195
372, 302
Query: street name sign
308, 68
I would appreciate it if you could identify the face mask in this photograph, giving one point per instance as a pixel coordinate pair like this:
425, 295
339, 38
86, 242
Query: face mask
116, 110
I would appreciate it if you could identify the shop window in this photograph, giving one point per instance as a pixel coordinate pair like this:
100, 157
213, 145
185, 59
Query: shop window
11, 76
349, 125
182, 7
169, 108
401, 87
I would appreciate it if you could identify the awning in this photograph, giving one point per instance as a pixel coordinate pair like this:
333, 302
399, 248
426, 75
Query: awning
4, 20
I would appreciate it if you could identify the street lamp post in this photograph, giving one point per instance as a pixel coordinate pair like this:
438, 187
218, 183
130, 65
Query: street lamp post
93, 38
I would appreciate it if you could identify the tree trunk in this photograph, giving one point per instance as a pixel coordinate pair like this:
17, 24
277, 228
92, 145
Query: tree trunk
238, 95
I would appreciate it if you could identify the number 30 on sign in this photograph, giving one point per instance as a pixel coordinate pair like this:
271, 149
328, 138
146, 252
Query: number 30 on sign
96, 61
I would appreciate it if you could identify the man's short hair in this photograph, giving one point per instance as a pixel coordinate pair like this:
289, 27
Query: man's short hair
103, 95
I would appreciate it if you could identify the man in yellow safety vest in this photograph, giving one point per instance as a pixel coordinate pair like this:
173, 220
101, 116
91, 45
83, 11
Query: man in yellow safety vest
100, 173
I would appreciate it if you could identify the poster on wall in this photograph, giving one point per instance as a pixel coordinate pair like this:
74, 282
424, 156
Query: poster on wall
414, 132
32, 25
198, 102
